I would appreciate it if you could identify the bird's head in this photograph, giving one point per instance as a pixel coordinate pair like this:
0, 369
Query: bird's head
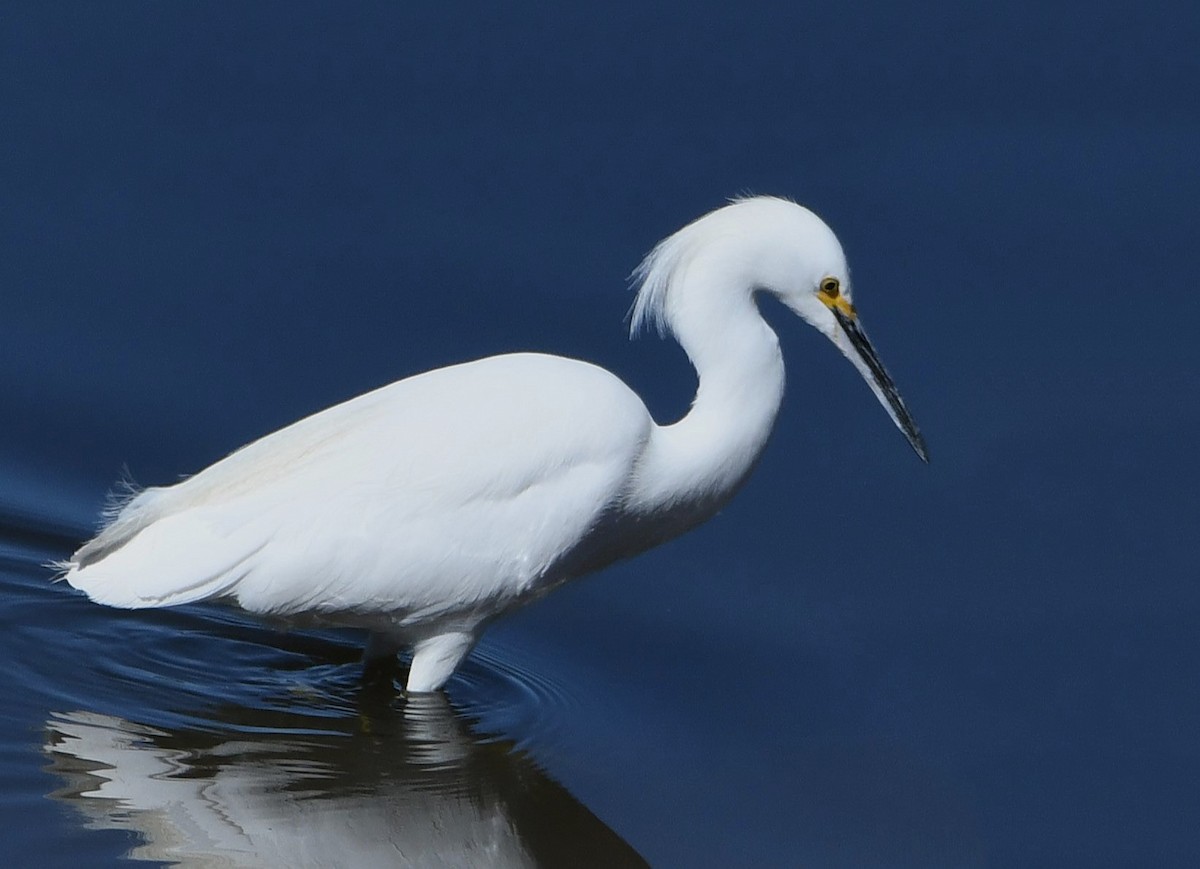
767, 244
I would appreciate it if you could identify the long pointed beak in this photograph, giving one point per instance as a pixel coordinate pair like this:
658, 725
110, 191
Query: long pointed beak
866, 360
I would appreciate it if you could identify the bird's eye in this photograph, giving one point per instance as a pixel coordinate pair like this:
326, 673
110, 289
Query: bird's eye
830, 287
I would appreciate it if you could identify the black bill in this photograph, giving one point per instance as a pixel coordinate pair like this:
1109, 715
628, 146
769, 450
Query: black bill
882, 382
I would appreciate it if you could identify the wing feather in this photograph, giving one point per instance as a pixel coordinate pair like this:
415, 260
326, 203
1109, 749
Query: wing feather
452, 487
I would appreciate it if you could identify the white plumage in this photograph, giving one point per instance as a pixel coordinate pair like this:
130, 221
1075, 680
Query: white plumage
428, 507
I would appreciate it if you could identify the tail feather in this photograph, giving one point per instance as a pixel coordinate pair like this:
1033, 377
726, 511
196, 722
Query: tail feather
138, 562
126, 515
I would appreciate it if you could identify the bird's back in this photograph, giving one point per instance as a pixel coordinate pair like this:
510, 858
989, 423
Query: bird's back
446, 493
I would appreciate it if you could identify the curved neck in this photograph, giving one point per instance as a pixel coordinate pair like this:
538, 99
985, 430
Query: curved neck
701, 460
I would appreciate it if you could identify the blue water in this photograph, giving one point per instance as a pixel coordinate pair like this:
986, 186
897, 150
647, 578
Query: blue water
214, 220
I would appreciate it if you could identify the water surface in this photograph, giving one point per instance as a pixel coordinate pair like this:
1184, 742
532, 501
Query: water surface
215, 220
255, 747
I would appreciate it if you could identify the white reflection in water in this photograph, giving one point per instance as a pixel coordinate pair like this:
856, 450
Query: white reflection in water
413, 786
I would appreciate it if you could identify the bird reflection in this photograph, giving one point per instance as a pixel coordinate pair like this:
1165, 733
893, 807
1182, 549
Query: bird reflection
404, 783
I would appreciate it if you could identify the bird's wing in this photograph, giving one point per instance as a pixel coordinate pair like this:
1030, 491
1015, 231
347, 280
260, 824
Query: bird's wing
248, 469
462, 483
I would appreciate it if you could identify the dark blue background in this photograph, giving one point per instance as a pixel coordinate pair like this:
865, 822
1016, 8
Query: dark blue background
216, 218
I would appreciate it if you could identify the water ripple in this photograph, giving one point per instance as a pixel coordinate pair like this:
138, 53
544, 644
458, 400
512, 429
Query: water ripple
195, 666
509, 694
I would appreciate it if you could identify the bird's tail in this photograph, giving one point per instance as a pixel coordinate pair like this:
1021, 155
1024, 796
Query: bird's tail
147, 556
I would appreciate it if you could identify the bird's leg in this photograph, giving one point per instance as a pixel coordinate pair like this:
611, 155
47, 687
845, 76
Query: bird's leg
435, 658
379, 657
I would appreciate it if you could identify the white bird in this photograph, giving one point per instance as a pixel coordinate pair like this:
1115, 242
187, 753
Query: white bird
429, 507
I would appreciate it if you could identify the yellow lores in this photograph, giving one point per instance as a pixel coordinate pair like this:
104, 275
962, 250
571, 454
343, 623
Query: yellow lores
830, 292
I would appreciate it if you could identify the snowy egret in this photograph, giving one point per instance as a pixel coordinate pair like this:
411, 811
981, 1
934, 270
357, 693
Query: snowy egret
427, 508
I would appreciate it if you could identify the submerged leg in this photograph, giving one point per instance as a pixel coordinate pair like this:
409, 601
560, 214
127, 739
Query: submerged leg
434, 659
379, 657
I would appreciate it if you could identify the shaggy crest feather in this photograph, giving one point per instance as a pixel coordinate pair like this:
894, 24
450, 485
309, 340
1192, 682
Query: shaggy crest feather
653, 278
665, 266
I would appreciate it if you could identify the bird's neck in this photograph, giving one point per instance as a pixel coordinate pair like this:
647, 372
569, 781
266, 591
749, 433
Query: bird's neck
692, 468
